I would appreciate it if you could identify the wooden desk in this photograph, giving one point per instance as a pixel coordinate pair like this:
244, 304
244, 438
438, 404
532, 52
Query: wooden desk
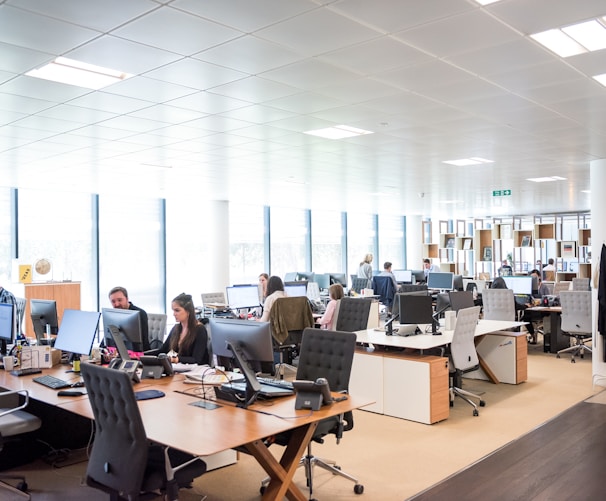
414, 386
201, 432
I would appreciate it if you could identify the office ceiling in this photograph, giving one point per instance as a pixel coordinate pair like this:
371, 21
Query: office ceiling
225, 89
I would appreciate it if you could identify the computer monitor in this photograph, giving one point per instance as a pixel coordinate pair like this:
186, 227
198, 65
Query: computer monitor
417, 310
43, 312
78, 331
460, 300
290, 276
242, 296
403, 276
295, 289
442, 280
323, 280
457, 283
338, 278
308, 276
125, 323
418, 275
416, 290
244, 344
519, 285
7, 326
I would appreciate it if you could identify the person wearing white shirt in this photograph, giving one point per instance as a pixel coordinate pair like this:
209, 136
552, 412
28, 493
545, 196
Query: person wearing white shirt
429, 268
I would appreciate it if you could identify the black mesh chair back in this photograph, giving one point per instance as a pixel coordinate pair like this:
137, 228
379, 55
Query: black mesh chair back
353, 314
357, 284
119, 456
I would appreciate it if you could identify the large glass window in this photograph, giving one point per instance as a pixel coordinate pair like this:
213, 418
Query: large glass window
360, 241
326, 237
58, 227
5, 237
288, 229
391, 241
246, 243
131, 249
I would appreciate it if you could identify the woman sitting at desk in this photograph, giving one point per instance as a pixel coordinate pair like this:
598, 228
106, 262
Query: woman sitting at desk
335, 292
188, 339
275, 289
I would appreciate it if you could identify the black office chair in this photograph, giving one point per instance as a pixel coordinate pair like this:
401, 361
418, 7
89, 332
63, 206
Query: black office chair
353, 314
327, 354
384, 287
15, 423
123, 463
357, 284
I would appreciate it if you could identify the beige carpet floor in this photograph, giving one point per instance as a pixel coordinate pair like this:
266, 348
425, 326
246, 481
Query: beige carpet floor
393, 458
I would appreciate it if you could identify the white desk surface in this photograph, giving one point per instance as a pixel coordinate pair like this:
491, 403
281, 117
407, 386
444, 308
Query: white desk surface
428, 341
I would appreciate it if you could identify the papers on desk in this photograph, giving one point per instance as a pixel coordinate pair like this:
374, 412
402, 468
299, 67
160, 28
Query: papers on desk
207, 375
179, 367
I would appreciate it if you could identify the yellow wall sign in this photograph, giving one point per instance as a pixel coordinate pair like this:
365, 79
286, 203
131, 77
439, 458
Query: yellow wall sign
25, 273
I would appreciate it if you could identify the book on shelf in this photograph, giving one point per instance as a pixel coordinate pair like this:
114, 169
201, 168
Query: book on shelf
526, 241
487, 254
450, 243
467, 244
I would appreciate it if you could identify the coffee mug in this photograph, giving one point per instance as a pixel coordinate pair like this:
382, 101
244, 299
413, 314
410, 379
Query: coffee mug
9, 363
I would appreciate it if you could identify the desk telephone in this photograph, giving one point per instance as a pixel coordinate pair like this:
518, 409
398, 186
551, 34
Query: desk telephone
313, 394
128, 366
317, 306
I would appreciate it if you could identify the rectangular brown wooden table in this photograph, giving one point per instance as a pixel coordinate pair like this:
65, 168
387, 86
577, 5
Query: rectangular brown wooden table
172, 421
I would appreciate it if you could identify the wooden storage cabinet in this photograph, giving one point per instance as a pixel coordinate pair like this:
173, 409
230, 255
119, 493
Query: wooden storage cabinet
66, 294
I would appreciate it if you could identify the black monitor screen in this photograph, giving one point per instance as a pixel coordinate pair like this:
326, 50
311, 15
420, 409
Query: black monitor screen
338, 278
457, 283
43, 313
127, 323
460, 300
7, 325
519, 285
295, 289
403, 276
243, 296
418, 275
253, 338
77, 331
305, 275
323, 280
442, 280
416, 309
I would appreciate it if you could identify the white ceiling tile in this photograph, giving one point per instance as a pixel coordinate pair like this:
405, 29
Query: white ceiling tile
255, 90
196, 74
35, 87
149, 89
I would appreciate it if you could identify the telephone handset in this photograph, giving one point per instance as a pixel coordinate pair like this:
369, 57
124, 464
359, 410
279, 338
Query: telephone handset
128, 366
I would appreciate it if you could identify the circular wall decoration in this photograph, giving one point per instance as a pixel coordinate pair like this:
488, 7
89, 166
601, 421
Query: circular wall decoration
42, 266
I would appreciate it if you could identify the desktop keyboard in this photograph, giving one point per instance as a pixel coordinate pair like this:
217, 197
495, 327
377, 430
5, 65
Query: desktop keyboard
278, 383
52, 382
25, 372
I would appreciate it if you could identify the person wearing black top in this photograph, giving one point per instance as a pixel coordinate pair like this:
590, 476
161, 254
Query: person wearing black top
187, 342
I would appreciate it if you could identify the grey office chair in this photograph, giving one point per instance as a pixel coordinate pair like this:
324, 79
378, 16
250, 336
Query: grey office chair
353, 314
581, 284
498, 304
357, 284
463, 356
21, 303
212, 298
14, 422
157, 329
576, 321
560, 287
327, 354
123, 463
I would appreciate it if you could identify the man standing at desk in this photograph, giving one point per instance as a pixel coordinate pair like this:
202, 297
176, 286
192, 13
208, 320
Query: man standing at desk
118, 297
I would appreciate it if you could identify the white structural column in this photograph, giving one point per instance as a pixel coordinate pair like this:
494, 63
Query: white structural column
217, 228
598, 237
414, 244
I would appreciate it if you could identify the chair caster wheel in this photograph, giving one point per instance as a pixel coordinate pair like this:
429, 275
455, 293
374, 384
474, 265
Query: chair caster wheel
22, 486
558, 355
262, 489
482, 403
475, 412
573, 361
358, 488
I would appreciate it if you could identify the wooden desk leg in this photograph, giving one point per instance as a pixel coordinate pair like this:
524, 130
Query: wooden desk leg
282, 473
485, 367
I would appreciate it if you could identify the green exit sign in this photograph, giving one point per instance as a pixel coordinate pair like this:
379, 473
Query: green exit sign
501, 193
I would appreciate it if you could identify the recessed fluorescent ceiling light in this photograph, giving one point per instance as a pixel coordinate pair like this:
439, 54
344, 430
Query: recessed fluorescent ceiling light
586, 191
601, 78
545, 179
487, 2
338, 132
71, 72
576, 39
468, 161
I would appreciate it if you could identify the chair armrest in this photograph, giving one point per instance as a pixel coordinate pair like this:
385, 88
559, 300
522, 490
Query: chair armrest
23, 393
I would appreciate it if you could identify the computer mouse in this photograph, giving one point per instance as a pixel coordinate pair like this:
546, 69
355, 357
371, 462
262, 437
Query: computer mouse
70, 393
79, 384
